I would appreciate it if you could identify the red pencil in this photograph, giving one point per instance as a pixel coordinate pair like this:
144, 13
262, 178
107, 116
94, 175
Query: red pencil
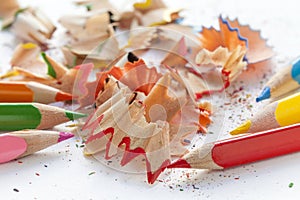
242, 149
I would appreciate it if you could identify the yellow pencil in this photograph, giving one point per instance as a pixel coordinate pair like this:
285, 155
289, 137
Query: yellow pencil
277, 114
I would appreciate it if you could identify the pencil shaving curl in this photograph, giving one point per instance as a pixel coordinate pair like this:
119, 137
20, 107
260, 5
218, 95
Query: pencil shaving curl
28, 66
124, 107
32, 25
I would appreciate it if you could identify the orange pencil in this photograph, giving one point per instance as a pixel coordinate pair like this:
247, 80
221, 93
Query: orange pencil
15, 91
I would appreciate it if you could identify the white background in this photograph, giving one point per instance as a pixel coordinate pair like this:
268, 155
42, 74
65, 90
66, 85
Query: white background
62, 172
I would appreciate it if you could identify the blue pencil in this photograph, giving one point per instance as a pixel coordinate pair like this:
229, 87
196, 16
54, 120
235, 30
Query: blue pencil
284, 81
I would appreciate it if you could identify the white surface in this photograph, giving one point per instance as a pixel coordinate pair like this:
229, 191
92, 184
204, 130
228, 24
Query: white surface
67, 173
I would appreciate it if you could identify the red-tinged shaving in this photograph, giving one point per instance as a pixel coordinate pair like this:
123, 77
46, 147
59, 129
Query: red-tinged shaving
111, 128
226, 84
153, 176
129, 154
82, 75
131, 133
94, 124
230, 48
226, 65
209, 92
99, 134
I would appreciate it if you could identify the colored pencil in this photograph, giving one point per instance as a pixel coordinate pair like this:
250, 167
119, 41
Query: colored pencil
14, 91
18, 144
17, 116
242, 149
284, 81
279, 113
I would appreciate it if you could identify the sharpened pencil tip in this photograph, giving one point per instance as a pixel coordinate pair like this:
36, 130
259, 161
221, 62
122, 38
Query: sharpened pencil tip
181, 163
63, 96
265, 94
244, 128
74, 115
64, 136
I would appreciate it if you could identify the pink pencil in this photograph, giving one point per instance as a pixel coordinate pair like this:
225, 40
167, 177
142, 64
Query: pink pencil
18, 144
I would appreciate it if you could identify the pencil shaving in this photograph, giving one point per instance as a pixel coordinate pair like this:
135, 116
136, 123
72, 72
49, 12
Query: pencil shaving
149, 5
141, 38
29, 67
258, 50
168, 106
231, 35
137, 76
230, 65
160, 16
83, 27
31, 24
149, 13
111, 87
151, 99
96, 5
26, 56
8, 8
176, 57
130, 131
98, 50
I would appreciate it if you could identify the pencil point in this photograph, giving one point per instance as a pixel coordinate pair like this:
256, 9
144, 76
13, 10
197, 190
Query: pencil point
63, 96
131, 57
244, 128
51, 72
74, 115
64, 136
181, 163
29, 45
265, 94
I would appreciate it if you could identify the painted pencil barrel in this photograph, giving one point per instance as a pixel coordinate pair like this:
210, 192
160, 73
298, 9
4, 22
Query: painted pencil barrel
30, 92
284, 81
12, 92
277, 114
259, 146
17, 116
242, 149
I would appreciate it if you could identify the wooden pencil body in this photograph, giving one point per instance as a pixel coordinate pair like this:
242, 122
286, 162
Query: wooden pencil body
282, 82
36, 140
277, 114
265, 119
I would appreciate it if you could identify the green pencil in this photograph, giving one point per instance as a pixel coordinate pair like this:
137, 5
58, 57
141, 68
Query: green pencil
18, 116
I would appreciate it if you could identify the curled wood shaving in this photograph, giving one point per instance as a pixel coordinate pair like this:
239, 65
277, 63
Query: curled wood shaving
31, 24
